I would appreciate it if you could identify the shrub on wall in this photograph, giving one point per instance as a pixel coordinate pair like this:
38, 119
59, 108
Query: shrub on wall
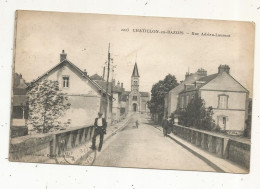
197, 115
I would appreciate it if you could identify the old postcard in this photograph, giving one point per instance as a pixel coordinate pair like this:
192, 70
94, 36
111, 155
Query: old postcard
129, 91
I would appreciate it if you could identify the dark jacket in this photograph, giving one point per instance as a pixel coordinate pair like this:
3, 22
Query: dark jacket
165, 123
104, 124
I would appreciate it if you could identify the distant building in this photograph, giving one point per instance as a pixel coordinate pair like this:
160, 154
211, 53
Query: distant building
227, 97
116, 90
171, 98
86, 96
136, 101
19, 107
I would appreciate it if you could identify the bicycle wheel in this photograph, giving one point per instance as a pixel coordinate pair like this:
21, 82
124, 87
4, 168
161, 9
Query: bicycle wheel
82, 155
90, 158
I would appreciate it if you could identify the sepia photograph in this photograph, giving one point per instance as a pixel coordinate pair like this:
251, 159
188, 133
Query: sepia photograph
132, 91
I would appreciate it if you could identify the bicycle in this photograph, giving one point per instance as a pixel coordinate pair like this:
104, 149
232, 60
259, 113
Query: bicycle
82, 155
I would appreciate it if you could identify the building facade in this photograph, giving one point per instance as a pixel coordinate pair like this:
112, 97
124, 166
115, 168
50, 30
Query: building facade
86, 96
227, 97
171, 98
19, 107
135, 100
116, 90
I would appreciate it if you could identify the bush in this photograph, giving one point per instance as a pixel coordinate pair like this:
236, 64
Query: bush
46, 105
197, 115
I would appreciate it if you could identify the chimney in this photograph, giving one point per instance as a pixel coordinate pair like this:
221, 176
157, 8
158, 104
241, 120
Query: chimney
223, 68
63, 56
122, 85
202, 72
118, 84
85, 72
114, 82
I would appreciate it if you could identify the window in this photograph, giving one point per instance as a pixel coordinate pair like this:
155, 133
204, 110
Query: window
134, 97
223, 101
182, 102
66, 80
187, 100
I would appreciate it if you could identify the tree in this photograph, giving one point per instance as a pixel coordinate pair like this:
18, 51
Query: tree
197, 115
158, 92
46, 105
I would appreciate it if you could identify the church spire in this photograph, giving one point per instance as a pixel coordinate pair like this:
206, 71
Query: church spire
135, 71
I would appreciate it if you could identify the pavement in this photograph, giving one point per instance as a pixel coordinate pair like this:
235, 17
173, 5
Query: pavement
81, 151
146, 147
219, 164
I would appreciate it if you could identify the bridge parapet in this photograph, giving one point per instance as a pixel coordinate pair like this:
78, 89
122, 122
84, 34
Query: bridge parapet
228, 147
44, 147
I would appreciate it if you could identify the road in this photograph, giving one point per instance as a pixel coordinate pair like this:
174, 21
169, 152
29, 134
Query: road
146, 147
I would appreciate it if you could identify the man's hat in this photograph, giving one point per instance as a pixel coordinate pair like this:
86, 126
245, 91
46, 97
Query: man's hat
100, 113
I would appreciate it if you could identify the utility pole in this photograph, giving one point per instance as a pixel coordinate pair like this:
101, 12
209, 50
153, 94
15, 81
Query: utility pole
112, 87
101, 90
108, 70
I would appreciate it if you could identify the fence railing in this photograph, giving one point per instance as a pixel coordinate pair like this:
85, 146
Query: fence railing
227, 147
41, 147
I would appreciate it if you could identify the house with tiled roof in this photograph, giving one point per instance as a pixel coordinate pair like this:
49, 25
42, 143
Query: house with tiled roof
227, 97
171, 98
116, 90
86, 96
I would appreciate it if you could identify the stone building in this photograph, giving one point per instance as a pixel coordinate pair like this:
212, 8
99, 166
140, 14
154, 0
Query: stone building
171, 98
135, 100
228, 98
86, 96
116, 90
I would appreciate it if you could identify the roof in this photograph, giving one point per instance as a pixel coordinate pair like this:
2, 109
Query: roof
103, 84
224, 82
144, 94
84, 74
208, 78
179, 88
96, 77
205, 80
218, 81
19, 82
125, 96
135, 71
117, 89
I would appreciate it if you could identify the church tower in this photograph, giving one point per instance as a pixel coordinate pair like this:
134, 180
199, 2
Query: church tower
135, 80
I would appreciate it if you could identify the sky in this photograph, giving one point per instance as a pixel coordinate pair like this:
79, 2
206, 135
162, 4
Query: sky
41, 36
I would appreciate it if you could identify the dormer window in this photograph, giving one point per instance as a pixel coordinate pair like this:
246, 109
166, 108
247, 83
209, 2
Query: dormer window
66, 81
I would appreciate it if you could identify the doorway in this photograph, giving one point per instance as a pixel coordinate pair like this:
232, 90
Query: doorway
222, 122
134, 107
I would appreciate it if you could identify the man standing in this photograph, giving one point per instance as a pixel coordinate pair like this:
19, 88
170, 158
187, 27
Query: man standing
165, 125
100, 126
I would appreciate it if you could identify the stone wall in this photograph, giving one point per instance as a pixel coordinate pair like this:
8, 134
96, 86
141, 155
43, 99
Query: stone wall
43, 147
234, 149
